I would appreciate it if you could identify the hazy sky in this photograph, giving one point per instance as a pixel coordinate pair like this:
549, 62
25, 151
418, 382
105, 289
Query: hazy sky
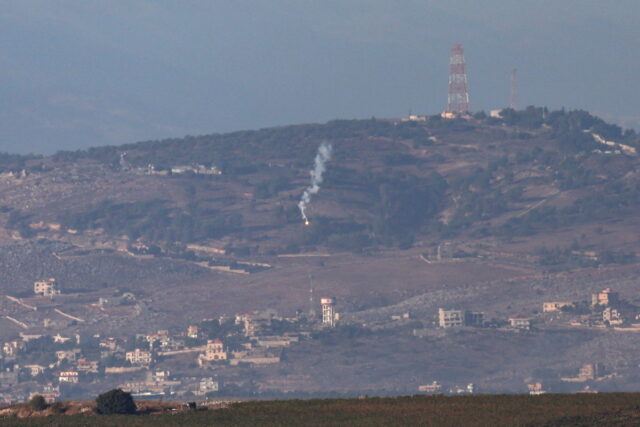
82, 73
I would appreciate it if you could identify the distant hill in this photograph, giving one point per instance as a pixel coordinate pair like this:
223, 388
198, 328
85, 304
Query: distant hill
489, 214
390, 184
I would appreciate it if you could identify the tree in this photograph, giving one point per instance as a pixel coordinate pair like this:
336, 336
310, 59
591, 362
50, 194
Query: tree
38, 403
115, 401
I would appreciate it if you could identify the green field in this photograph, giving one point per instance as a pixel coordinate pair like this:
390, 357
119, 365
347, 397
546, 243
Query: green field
484, 410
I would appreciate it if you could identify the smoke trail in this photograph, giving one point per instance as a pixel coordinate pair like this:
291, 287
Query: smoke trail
324, 155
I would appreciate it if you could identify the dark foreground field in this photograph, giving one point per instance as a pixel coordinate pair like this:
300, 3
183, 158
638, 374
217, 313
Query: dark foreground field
488, 410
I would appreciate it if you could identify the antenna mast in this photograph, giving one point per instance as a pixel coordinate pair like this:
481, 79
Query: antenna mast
458, 90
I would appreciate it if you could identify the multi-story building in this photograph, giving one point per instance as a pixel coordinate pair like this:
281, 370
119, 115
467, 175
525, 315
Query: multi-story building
35, 370
88, 366
457, 318
68, 355
47, 287
328, 311
605, 297
612, 316
193, 332
68, 377
214, 351
450, 318
139, 357
12, 348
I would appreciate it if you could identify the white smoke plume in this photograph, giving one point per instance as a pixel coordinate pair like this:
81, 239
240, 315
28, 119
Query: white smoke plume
324, 155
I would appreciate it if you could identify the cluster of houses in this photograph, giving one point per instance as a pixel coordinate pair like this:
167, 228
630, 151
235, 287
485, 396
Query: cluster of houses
458, 318
606, 309
152, 364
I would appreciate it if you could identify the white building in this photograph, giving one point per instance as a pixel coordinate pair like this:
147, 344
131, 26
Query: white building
46, 288
139, 357
68, 377
328, 311
450, 318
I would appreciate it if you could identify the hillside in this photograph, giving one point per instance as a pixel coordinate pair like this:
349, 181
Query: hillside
389, 184
491, 214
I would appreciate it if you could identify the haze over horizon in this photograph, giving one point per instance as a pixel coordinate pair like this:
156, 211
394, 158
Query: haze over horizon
79, 74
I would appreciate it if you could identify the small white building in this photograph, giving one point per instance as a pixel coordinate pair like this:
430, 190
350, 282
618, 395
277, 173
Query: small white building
68, 377
520, 321
139, 357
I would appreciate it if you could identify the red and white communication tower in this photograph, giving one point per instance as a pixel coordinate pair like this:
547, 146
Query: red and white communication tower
458, 90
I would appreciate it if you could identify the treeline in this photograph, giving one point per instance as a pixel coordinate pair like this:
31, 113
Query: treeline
568, 127
234, 152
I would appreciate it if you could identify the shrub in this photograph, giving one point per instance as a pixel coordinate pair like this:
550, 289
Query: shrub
57, 408
38, 403
115, 401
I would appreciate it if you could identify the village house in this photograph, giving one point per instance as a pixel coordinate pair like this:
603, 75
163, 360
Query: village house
457, 318
434, 387
29, 337
68, 355
46, 288
35, 370
193, 332
50, 393
536, 389
88, 366
255, 357
255, 322
139, 357
70, 377
556, 306
520, 321
159, 339
12, 348
160, 376
612, 316
276, 341
59, 339
109, 343
587, 372
606, 297
214, 352
207, 385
